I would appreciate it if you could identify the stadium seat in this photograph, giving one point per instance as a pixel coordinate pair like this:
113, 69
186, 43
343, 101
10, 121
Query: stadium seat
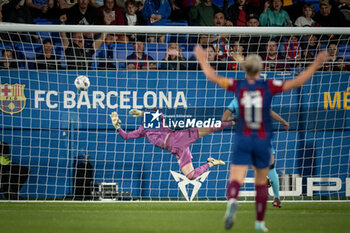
122, 46
60, 55
27, 51
43, 35
156, 55
9, 46
344, 52
156, 51
187, 54
41, 21
176, 38
121, 52
5, 46
100, 54
152, 47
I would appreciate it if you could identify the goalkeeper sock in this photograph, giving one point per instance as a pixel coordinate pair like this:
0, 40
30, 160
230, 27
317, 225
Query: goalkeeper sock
260, 201
233, 190
223, 126
197, 172
275, 183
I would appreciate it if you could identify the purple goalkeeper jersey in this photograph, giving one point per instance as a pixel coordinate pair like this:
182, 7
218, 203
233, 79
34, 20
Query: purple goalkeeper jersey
154, 136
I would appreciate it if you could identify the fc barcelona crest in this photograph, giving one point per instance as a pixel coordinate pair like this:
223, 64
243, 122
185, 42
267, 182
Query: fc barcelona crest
12, 98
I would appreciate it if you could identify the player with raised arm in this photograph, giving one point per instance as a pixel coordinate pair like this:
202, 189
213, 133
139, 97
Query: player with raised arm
177, 142
231, 113
254, 128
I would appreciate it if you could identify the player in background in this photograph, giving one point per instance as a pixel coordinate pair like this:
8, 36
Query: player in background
254, 128
177, 142
231, 114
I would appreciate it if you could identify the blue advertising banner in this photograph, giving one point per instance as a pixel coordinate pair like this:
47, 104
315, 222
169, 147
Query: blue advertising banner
49, 123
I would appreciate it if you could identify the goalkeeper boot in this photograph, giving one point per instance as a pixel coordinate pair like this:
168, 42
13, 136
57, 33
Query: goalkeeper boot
213, 162
232, 206
260, 226
277, 202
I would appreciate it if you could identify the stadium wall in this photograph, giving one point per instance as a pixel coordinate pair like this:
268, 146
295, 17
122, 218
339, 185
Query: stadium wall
54, 128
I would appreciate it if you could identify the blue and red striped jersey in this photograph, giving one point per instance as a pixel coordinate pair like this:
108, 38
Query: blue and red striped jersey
138, 62
254, 105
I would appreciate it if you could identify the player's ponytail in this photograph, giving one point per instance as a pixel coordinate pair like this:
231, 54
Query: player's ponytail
252, 65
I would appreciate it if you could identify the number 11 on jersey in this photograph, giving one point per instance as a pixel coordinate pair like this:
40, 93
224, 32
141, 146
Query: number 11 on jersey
252, 103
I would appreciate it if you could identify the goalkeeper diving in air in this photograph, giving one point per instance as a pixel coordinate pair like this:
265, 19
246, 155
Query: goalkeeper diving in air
177, 142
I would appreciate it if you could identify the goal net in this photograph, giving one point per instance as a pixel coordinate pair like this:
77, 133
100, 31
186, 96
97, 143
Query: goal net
58, 143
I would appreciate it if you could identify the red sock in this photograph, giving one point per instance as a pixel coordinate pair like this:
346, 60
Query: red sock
260, 201
233, 190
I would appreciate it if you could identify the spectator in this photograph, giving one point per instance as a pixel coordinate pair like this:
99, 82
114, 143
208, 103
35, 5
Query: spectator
139, 58
328, 16
156, 12
174, 58
7, 60
212, 57
214, 60
13, 175
110, 14
344, 8
292, 50
272, 58
306, 19
256, 5
274, 16
40, 8
336, 63
236, 56
202, 13
180, 9
310, 48
15, 11
236, 15
47, 60
133, 16
254, 43
83, 14
253, 20
294, 8
130, 15
79, 55
220, 42
109, 58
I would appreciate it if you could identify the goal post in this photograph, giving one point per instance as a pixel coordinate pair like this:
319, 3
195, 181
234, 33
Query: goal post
72, 151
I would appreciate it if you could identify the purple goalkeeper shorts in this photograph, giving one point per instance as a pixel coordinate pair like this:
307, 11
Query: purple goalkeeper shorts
178, 144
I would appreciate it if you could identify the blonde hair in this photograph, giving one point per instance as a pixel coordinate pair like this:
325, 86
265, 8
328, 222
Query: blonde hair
252, 65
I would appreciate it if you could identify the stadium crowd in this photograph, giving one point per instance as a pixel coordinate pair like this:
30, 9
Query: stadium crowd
171, 52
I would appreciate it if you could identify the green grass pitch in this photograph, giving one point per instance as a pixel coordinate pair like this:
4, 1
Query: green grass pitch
21, 217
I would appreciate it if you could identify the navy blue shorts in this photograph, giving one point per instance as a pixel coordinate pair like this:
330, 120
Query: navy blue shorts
251, 150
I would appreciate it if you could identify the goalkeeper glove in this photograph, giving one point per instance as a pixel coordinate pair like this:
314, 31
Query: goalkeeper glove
115, 120
136, 113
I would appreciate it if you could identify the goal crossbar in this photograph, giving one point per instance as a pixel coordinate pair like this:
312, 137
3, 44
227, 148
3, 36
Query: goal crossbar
9, 27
